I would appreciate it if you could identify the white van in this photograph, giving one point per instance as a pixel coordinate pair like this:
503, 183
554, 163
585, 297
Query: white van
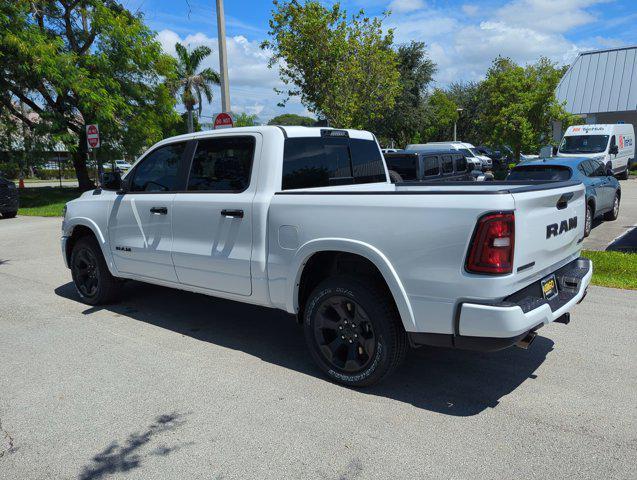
481, 162
613, 144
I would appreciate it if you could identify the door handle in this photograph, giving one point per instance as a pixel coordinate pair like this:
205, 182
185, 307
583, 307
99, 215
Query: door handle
232, 213
159, 210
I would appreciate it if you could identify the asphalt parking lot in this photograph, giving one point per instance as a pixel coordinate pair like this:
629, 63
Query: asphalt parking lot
169, 384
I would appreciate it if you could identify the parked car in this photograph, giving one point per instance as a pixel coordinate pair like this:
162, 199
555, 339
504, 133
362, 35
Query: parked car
306, 220
603, 192
612, 144
413, 166
499, 156
120, 165
9, 201
482, 162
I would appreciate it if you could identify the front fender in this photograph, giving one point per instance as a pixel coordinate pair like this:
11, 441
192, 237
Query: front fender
102, 239
365, 250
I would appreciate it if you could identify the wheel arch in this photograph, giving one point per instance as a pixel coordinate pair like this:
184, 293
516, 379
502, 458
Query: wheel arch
303, 260
81, 227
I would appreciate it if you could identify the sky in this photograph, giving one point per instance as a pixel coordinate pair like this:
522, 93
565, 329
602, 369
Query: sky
462, 37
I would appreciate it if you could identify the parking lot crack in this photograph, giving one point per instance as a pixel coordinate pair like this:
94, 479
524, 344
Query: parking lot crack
7, 445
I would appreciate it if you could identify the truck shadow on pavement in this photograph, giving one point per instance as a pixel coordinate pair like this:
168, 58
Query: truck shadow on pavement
452, 382
122, 458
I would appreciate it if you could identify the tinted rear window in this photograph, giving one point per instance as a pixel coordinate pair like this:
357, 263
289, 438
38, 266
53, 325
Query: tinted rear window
431, 166
447, 164
319, 162
540, 172
461, 164
404, 165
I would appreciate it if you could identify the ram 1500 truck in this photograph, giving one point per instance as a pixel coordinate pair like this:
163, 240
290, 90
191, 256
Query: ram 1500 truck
306, 220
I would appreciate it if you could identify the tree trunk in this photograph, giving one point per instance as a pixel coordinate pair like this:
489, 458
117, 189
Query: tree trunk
191, 126
79, 163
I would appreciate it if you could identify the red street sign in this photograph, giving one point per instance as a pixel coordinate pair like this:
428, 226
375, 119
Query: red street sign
223, 120
92, 136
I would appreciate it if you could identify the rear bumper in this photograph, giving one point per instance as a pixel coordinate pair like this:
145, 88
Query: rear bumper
493, 326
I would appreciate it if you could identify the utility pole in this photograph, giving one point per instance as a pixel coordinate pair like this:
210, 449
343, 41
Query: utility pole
223, 60
455, 125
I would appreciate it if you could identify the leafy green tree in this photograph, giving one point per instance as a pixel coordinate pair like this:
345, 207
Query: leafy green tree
519, 103
441, 113
244, 120
467, 96
402, 123
190, 82
343, 68
292, 119
85, 61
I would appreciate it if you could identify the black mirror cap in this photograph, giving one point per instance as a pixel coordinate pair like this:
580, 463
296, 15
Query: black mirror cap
613, 150
112, 181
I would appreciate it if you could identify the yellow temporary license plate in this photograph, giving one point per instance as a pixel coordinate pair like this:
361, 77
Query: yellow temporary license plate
549, 287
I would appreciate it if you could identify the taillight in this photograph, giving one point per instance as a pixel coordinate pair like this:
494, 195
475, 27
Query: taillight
491, 249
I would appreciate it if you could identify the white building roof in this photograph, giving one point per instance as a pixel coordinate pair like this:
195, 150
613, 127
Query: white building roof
601, 81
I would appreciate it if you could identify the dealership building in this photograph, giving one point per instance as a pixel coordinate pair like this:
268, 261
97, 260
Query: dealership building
601, 87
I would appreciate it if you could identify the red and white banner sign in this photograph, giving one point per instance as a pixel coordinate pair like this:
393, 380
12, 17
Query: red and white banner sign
223, 120
93, 136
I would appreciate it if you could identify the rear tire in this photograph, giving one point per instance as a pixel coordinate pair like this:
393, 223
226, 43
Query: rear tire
614, 213
353, 331
395, 177
10, 214
93, 282
588, 221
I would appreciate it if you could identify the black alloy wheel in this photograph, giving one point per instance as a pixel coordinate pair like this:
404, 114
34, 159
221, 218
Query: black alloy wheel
93, 281
353, 330
344, 334
85, 273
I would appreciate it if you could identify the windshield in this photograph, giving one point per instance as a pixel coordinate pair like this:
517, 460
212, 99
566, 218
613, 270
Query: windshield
474, 152
584, 144
540, 172
466, 152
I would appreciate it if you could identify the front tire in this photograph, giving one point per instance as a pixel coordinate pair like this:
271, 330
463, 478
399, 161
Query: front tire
353, 331
624, 175
614, 213
11, 214
93, 282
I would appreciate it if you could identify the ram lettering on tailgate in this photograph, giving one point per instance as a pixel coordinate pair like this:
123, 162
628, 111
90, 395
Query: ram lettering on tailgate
555, 229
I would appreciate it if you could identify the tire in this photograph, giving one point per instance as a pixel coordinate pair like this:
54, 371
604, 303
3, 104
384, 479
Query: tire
10, 214
369, 349
395, 177
588, 220
624, 175
93, 282
614, 213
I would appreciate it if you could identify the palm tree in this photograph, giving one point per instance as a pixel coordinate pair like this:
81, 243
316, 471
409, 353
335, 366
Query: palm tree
191, 83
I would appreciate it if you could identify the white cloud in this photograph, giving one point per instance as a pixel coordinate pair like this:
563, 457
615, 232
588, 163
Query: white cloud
470, 9
547, 15
404, 6
524, 30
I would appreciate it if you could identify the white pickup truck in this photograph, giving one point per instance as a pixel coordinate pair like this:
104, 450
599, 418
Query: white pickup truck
306, 220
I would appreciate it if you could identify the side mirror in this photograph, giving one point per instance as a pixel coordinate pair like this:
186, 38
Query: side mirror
112, 181
613, 150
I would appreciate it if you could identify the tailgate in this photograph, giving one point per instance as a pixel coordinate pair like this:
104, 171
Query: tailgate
549, 225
